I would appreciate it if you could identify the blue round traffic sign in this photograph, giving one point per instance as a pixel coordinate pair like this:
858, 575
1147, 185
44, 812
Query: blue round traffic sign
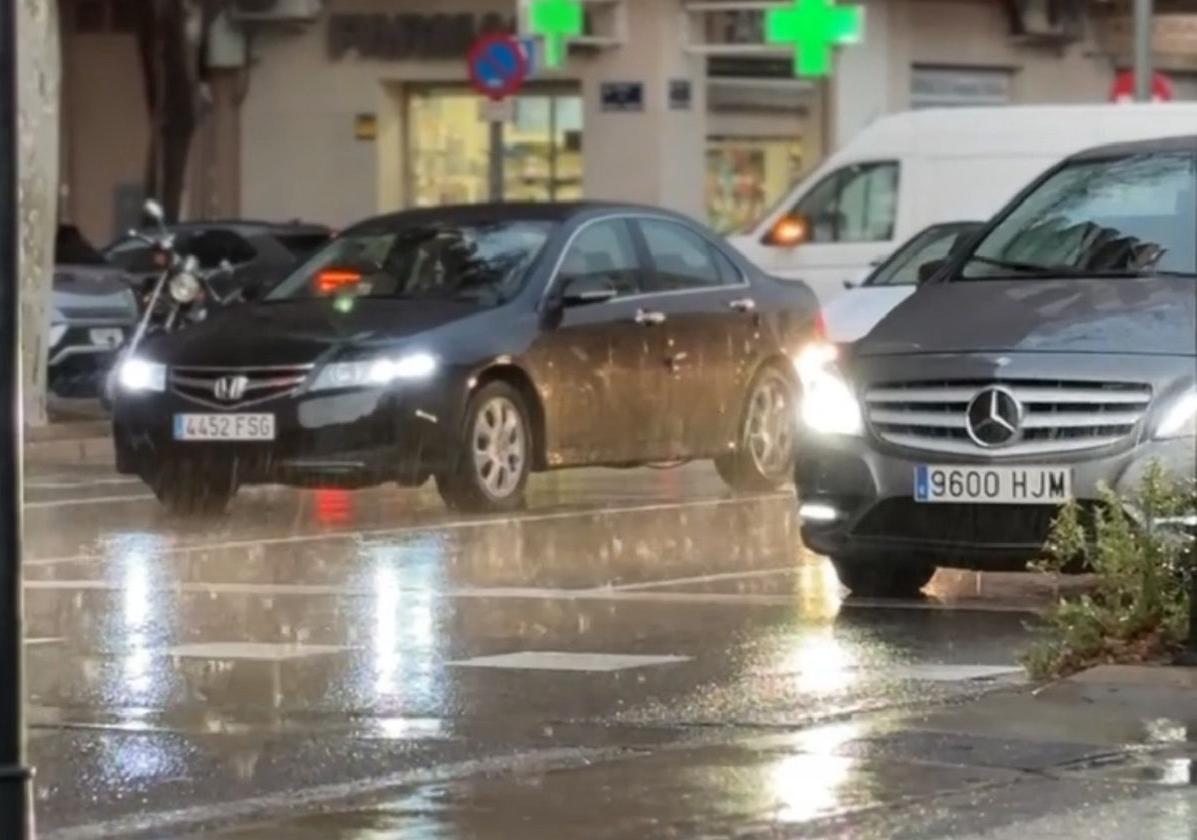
497, 65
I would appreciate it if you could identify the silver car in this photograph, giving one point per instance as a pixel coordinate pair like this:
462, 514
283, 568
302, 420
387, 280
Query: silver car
1057, 352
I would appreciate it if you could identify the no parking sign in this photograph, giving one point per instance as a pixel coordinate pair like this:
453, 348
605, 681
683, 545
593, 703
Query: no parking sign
498, 66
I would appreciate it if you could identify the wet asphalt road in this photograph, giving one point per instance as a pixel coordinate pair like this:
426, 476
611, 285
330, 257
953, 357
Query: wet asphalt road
315, 645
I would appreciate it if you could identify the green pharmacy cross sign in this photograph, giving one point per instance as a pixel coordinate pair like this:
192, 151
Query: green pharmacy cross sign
555, 21
814, 28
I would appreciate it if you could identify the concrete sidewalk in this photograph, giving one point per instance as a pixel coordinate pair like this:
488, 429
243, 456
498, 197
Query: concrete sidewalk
1109, 753
68, 443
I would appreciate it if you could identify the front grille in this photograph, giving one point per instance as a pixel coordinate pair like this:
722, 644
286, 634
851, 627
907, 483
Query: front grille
1058, 416
261, 384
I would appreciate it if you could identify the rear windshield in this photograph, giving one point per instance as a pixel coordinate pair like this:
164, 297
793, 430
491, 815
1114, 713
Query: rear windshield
1126, 215
72, 248
303, 245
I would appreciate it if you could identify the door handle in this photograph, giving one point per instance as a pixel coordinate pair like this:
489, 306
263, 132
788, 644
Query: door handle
649, 318
742, 305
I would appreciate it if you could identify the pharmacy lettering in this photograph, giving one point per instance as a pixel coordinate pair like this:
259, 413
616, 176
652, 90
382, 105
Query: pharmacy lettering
410, 36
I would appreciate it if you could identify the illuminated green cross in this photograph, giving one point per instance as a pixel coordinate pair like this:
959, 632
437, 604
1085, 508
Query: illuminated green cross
813, 28
556, 20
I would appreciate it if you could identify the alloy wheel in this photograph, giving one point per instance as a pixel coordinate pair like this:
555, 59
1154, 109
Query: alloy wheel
500, 447
770, 427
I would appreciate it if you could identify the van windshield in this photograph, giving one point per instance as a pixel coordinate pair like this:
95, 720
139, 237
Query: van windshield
1124, 216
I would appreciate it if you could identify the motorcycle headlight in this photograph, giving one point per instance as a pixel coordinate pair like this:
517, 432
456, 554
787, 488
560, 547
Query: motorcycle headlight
140, 376
828, 404
375, 372
184, 287
1179, 419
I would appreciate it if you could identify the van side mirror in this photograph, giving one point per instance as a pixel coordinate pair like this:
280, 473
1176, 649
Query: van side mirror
586, 289
929, 269
789, 231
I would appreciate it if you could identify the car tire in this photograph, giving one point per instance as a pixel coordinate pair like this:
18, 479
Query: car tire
489, 469
764, 456
883, 576
189, 490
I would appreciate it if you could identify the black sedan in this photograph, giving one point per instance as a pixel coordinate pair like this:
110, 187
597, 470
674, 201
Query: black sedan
475, 345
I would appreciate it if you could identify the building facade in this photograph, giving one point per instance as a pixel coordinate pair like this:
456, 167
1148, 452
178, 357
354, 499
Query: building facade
365, 105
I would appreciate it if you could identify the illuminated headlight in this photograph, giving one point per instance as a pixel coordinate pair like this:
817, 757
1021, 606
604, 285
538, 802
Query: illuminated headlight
184, 287
1179, 418
138, 376
814, 359
375, 372
829, 406
57, 333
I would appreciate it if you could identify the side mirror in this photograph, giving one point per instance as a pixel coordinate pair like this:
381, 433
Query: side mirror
929, 269
586, 289
790, 231
849, 285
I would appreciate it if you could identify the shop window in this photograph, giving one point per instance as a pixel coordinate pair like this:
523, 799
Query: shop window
746, 176
857, 203
604, 250
681, 258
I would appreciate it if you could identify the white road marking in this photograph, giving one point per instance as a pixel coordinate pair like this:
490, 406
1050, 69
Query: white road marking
951, 673
545, 660
94, 500
252, 651
57, 483
686, 581
450, 525
35, 641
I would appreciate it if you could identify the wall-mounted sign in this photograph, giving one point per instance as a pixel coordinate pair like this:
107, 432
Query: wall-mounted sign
622, 96
365, 127
681, 94
410, 36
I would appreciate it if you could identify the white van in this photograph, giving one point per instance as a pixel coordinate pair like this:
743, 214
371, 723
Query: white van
908, 171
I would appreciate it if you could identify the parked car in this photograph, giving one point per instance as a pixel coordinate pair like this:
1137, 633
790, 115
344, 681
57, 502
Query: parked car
907, 171
475, 345
259, 253
851, 316
92, 314
1057, 352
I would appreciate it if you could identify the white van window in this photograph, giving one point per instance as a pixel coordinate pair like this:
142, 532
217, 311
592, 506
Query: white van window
858, 203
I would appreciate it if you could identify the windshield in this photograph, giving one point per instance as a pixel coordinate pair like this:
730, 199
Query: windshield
902, 269
1127, 215
485, 262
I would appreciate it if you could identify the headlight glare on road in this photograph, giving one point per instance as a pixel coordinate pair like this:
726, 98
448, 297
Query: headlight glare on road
139, 376
829, 406
1179, 419
375, 372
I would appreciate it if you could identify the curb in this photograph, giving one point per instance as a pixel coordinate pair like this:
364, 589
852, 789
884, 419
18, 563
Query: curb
70, 443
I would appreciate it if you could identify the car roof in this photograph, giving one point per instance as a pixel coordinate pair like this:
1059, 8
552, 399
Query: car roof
249, 227
520, 211
1162, 145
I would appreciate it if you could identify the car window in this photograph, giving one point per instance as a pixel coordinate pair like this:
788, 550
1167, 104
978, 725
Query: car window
303, 245
681, 258
729, 274
858, 203
902, 269
212, 247
135, 256
1127, 214
604, 249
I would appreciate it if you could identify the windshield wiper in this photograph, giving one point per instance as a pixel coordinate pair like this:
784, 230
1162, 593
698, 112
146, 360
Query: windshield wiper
1035, 270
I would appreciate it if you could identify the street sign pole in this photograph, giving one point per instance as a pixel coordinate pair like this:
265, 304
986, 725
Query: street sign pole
1143, 39
15, 809
495, 173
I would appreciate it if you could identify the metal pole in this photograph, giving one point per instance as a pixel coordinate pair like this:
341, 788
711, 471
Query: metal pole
496, 160
15, 809
1143, 39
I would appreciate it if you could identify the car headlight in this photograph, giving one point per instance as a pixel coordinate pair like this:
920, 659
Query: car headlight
139, 376
184, 287
375, 372
1179, 419
828, 404
57, 334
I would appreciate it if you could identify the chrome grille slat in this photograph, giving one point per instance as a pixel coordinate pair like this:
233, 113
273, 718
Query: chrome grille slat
1058, 416
265, 383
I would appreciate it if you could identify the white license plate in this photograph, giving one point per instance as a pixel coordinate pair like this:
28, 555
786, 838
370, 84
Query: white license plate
993, 485
106, 337
230, 427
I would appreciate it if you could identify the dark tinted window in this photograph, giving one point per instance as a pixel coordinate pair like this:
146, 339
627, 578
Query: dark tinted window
485, 262
303, 245
604, 250
212, 247
1128, 214
728, 272
902, 269
681, 258
71, 248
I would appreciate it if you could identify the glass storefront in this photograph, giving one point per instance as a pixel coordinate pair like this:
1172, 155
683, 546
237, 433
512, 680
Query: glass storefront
449, 148
745, 177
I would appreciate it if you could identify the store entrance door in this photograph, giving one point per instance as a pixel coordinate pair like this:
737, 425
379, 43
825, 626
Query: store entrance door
449, 149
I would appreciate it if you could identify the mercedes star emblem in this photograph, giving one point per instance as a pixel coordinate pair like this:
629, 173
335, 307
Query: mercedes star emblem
994, 418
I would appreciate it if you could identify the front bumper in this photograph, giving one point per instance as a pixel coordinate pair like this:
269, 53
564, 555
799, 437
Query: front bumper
872, 493
351, 438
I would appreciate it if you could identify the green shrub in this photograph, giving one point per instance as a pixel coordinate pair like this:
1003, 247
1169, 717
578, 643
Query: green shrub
1138, 608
